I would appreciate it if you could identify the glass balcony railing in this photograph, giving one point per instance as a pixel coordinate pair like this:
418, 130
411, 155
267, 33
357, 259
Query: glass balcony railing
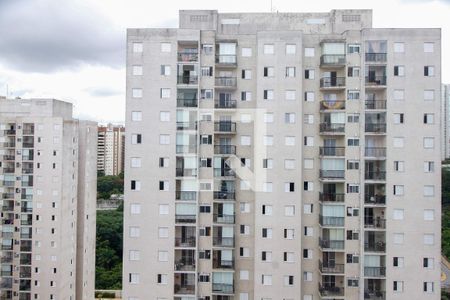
374, 295
224, 149
226, 59
223, 219
185, 218
185, 264
187, 79
375, 127
375, 151
186, 195
224, 195
225, 127
223, 264
376, 104
226, 82
184, 289
332, 174
331, 221
182, 102
375, 199
332, 60
376, 57
186, 125
332, 151
223, 288
332, 82
375, 271
225, 104
185, 241
375, 175
330, 291
331, 244
375, 247
223, 241
331, 197
375, 80
187, 56
374, 222
332, 127
330, 267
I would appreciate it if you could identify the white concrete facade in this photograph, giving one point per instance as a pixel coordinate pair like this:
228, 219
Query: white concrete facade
445, 122
48, 188
283, 156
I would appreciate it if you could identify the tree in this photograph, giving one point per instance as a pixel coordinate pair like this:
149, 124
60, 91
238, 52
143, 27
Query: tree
108, 185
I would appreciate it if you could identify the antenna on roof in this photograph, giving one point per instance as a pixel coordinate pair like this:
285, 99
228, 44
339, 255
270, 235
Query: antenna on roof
272, 8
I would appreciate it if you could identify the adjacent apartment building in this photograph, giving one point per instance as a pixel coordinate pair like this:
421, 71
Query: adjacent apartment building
111, 149
445, 121
48, 196
282, 156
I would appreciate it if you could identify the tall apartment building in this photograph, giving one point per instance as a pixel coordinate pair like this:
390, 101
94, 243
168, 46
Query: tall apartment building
48, 196
111, 149
445, 121
276, 156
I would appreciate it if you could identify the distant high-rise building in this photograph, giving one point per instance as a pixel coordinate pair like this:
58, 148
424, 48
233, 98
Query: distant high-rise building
445, 121
111, 149
48, 199
275, 156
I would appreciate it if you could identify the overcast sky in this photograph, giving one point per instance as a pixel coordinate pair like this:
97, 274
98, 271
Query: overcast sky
74, 50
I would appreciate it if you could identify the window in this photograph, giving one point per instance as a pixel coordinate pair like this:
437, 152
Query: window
289, 234
266, 210
206, 71
352, 282
308, 208
353, 118
208, 49
205, 162
353, 48
246, 118
288, 280
133, 278
399, 142
307, 276
290, 71
399, 238
289, 164
309, 52
206, 94
269, 49
428, 142
138, 47
288, 256
269, 71
246, 96
245, 229
289, 140
164, 139
163, 209
399, 47
246, 52
163, 162
266, 256
165, 70
245, 140
135, 232
268, 94
244, 207
308, 141
289, 210
136, 93
204, 231
428, 263
399, 71
308, 163
353, 71
399, 166
164, 116
244, 252
268, 117
203, 277
353, 95
290, 95
428, 166
243, 296
428, 239
353, 164
267, 187
135, 185
163, 256
428, 71
136, 138
206, 139
307, 253
163, 232
428, 287
135, 162
352, 188
291, 48
308, 186
398, 262
137, 70
398, 286
309, 96
289, 187
166, 47
245, 162
205, 254
162, 279
245, 185
268, 140
205, 209
136, 116
352, 258
308, 231
244, 274
398, 214
399, 190
246, 74
428, 95
308, 119
428, 214
165, 93
352, 142
267, 163
289, 118
399, 118
266, 280
399, 94
428, 190
428, 47
267, 233
428, 118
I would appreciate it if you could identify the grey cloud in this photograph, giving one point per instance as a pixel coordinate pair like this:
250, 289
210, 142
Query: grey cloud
103, 92
48, 35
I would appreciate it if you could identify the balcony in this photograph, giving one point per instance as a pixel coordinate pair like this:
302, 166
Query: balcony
186, 195
186, 242
376, 81
185, 218
331, 221
25, 259
223, 288
375, 127
11, 131
186, 149
25, 246
224, 149
187, 102
25, 273
332, 151
226, 60
8, 221
7, 195
374, 295
375, 271
376, 104
24, 296
332, 174
187, 79
331, 267
331, 291
7, 235
376, 57
225, 127
332, 60
186, 125
333, 128
226, 82
226, 104
372, 199
223, 219
374, 222
7, 258
6, 284
331, 197
224, 172
375, 175
11, 144
224, 195
375, 152
183, 172
223, 264
332, 105
375, 247
8, 170
332, 82
6, 247
331, 244
27, 170
184, 260
9, 157
184, 289
187, 56
223, 241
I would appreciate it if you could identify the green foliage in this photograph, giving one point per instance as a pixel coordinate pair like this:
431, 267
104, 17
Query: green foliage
108, 270
105, 295
108, 185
